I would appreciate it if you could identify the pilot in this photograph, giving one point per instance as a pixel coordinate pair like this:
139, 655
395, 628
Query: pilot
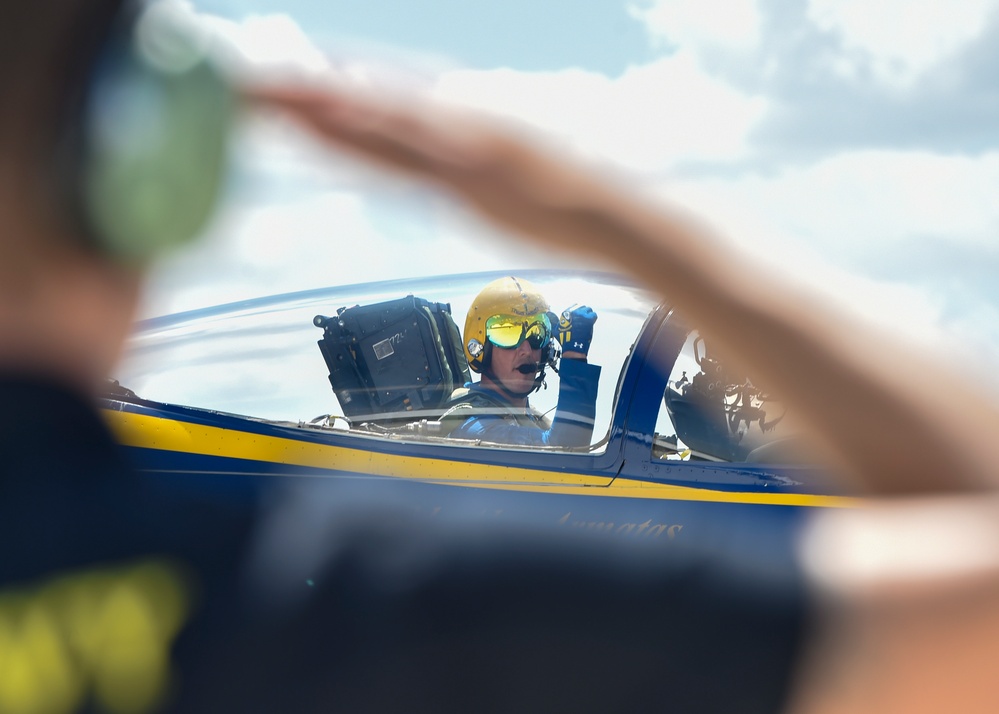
510, 338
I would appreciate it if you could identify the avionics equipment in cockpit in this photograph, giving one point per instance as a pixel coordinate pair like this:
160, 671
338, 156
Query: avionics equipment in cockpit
720, 413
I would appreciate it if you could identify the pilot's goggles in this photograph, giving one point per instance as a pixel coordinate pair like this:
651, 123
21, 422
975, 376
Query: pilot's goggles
508, 331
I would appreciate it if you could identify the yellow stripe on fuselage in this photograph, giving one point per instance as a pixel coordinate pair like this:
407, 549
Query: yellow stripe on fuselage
139, 430
167, 434
631, 488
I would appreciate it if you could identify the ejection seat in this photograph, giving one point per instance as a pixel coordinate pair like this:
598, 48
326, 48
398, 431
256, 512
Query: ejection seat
394, 362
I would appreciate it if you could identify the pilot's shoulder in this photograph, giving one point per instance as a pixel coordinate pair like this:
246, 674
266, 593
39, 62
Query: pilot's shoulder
465, 399
460, 401
459, 394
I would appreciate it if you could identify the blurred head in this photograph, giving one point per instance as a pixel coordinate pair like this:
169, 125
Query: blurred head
124, 127
44, 50
106, 156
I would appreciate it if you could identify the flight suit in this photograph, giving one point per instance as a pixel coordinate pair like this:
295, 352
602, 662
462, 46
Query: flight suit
482, 414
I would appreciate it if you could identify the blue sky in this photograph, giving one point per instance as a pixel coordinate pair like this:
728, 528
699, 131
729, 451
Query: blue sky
856, 143
530, 35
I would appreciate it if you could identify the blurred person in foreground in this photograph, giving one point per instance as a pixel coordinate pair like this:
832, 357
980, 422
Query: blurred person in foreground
105, 577
135, 593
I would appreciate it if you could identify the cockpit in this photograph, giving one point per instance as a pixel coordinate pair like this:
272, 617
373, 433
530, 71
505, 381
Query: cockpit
390, 355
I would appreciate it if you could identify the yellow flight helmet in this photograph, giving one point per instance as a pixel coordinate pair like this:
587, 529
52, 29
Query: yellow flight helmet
504, 313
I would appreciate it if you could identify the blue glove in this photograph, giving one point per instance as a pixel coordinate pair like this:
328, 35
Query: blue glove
575, 328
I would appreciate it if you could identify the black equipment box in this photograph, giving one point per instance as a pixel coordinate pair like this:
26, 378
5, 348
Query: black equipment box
392, 357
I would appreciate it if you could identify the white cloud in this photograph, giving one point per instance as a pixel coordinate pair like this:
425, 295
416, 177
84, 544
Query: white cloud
826, 222
245, 47
731, 24
272, 40
304, 217
648, 119
753, 223
853, 209
901, 38
859, 201
315, 239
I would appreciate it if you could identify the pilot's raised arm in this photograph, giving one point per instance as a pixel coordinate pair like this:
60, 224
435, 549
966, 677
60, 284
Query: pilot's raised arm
511, 337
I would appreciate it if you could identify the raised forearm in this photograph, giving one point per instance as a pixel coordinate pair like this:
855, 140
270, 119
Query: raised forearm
858, 390
871, 414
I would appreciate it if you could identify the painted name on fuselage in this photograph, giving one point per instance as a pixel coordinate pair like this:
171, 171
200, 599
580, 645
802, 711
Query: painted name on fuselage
647, 529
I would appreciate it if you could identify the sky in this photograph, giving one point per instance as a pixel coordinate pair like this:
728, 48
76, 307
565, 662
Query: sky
854, 143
